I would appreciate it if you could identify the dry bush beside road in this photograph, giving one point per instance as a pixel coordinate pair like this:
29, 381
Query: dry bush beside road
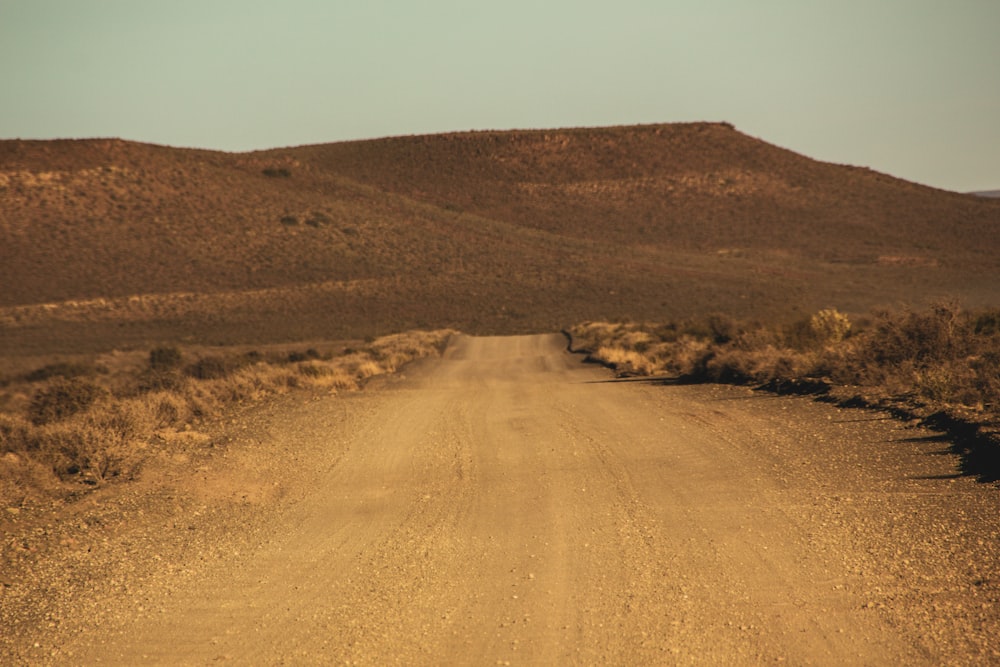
101, 427
941, 365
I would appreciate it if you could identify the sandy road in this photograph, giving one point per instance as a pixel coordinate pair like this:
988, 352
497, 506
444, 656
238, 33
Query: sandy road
508, 505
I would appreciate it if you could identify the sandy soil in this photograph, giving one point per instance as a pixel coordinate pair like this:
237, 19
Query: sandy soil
507, 504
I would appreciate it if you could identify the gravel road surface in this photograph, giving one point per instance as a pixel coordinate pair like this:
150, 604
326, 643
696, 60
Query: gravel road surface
508, 504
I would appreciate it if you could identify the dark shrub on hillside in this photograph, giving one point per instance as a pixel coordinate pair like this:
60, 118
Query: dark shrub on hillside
295, 357
277, 172
987, 324
164, 370
61, 369
63, 398
165, 358
211, 368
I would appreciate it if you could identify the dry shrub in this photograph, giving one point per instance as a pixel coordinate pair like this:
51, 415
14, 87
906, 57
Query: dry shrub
830, 326
62, 399
630, 348
922, 338
210, 368
202, 401
942, 355
163, 371
322, 376
763, 365
313, 370
987, 324
15, 434
635, 339
167, 409
165, 358
390, 353
395, 350
237, 388
294, 357
824, 329
159, 380
367, 368
101, 444
62, 369
72, 448
591, 335
338, 379
625, 361
392, 361
686, 355
264, 380
723, 328
123, 422
75, 427
243, 383
944, 382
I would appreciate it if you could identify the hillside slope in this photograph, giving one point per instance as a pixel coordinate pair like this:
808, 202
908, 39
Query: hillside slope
694, 186
106, 242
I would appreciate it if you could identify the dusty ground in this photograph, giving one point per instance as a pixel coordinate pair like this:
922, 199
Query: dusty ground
507, 504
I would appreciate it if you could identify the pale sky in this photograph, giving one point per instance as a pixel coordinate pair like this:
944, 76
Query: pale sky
906, 87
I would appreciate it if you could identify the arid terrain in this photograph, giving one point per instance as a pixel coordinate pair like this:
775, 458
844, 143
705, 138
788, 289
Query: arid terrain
108, 243
308, 406
508, 504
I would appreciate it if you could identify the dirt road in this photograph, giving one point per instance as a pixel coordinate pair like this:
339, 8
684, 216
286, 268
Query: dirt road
507, 504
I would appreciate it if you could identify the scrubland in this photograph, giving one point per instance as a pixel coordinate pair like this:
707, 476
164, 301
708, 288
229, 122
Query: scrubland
940, 365
485, 232
109, 244
89, 422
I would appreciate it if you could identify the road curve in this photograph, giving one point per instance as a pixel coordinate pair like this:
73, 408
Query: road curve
508, 504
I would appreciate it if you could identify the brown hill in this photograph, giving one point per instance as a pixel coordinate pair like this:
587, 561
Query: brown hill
108, 243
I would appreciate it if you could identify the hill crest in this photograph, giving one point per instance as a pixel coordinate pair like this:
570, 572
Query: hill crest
486, 231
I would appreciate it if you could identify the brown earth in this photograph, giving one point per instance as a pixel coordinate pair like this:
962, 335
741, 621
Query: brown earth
509, 504
107, 243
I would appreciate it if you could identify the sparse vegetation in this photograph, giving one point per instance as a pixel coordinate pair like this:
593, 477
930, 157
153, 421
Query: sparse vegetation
214, 367
63, 398
941, 364
61, 369
944, 354
488, 232
97, 428
164, 359
163, 372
